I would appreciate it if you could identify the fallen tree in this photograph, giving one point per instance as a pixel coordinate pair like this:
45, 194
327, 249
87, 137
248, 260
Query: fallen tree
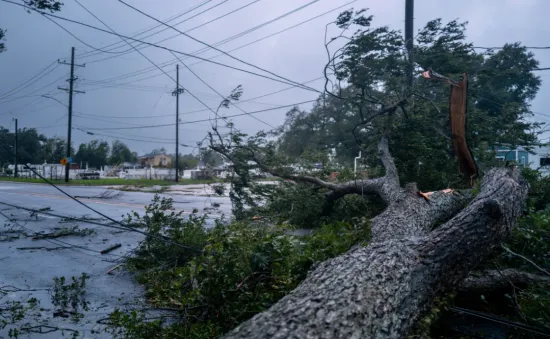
422, 246
382, 290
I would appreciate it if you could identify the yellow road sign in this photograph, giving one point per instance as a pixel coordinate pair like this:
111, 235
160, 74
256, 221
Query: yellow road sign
64, 161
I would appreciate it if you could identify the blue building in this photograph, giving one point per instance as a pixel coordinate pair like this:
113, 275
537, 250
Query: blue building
518, 155
537, 159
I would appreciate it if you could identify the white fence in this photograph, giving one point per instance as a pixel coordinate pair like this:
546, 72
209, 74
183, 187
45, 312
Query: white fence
148, 173
57, 172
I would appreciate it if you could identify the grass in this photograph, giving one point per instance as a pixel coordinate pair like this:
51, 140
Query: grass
112, 182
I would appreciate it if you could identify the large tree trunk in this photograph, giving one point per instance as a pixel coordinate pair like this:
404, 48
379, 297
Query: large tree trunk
381, 290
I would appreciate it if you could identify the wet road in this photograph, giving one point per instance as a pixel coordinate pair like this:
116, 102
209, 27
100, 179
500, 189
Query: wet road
40, 196
34, 269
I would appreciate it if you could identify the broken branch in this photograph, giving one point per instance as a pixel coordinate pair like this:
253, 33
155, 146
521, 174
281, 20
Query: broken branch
110, 249
499, 279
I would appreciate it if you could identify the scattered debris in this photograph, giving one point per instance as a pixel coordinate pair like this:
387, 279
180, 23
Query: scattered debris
425, 195
10, 235
8, 238
82, 218
44, 329
151, 189
110, 271
107, 194
112, 248
69, 296
64, 232
219, 189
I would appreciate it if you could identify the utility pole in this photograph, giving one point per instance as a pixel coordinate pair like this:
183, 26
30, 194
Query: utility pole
409, 27
15, 152
177, 93
70, 90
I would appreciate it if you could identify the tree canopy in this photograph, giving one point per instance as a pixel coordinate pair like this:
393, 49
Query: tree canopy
120, 153
32, 147
367, 96
372, 65
94, 154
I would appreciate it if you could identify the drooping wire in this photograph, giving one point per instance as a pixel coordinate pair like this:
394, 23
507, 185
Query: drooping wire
53, 241
122, 226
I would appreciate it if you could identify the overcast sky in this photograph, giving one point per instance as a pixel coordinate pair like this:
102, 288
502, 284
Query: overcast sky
119, 97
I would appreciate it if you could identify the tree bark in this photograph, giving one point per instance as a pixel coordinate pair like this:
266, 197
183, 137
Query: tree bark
381, 290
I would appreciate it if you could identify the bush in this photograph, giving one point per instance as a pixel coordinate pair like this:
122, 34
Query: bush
241, 270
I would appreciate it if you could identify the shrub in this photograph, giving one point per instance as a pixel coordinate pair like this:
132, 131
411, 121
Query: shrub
241, 270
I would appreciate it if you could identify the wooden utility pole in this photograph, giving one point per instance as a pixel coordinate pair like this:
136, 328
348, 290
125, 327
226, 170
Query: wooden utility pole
70, 120
409, 27
177, 93
15, 152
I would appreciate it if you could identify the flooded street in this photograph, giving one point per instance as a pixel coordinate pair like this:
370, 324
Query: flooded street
29, 261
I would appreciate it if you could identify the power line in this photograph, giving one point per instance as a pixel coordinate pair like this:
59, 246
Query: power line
195, 121
202, 110
276, 33
151, 61
74, 36
221, 96
526, 47
9, 93
178, 23
188, 30
29, 85
219, 50
122, 226
124, 138
130, 139
134, 136
104, 24
151, 44
500, 320
168, 63
53, 241
87, 221
92, 53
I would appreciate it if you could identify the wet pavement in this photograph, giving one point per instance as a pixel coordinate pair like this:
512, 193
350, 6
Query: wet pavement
28, 266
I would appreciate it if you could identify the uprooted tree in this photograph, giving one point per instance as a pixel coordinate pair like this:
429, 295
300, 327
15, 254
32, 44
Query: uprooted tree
421, 247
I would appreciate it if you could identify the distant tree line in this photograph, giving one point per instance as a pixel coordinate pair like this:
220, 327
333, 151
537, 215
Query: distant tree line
37, 148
